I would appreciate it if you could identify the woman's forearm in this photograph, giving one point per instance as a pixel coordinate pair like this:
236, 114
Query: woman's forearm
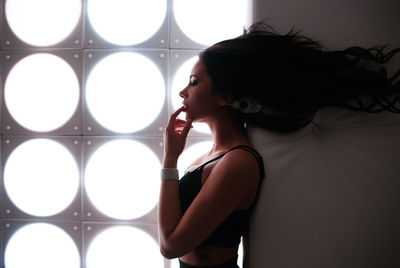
169, 208
170, 162
169, 214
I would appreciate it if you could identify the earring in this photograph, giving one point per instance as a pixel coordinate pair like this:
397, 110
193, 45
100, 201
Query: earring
247, 105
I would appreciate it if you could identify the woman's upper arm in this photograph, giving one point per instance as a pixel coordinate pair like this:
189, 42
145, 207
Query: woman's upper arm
228, 184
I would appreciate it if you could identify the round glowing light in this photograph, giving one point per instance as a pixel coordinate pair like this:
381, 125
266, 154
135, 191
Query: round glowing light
121, 179
125, 92
224, 19
124, 22
43, 22
191, 154
41, 92
41, 245
175, 263
41, 177
123, 246
179, 82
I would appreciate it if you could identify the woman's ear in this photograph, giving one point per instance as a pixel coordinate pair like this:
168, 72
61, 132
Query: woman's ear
226, 99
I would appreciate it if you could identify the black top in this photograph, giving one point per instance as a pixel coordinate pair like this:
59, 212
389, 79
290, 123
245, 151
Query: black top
227, 234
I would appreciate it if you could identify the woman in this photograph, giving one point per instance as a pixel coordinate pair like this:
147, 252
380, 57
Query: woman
274, 81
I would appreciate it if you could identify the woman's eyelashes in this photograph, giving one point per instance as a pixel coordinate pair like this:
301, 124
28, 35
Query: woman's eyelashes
193, 81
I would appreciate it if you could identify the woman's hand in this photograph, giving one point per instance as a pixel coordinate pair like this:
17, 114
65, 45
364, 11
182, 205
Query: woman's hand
175, 135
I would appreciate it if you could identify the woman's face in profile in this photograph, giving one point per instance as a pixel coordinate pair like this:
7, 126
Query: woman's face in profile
199, 99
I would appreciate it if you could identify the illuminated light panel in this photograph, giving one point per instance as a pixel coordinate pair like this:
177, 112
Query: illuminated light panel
123, 246
190, 154
43, 22
122, 179
124, 23
41, 177
41, 245
41, 92
209, 21
179, 82
125, 92
175, 263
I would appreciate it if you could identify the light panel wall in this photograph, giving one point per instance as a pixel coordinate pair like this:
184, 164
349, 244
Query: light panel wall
81, 140
147, 100
41, 24
139, 24
42, 243
27, 62
30, 190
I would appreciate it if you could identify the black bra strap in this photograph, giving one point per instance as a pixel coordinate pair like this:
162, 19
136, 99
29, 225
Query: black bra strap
212, 160
256, 155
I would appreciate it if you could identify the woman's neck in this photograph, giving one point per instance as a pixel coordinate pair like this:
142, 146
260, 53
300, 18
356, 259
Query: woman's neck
227, 133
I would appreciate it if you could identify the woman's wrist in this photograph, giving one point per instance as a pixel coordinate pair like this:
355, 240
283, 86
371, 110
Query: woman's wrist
169, 174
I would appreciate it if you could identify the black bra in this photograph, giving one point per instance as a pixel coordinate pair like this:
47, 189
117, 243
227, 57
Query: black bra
229, 232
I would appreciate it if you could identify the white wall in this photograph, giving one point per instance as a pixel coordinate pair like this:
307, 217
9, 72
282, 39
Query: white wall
312, 216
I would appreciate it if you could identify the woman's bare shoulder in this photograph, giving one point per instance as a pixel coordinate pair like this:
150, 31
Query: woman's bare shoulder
239, 166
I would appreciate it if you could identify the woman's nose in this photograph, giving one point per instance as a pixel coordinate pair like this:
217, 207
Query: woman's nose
182, 94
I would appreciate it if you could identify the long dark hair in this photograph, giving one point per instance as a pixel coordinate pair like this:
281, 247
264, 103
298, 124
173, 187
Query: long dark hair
295, 77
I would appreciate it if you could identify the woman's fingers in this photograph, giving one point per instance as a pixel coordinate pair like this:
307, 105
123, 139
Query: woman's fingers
173, 117
180, 122
175, 135
183, 126
187, 127
178, 125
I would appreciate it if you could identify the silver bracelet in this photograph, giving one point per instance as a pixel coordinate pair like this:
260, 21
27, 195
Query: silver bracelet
169, 174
